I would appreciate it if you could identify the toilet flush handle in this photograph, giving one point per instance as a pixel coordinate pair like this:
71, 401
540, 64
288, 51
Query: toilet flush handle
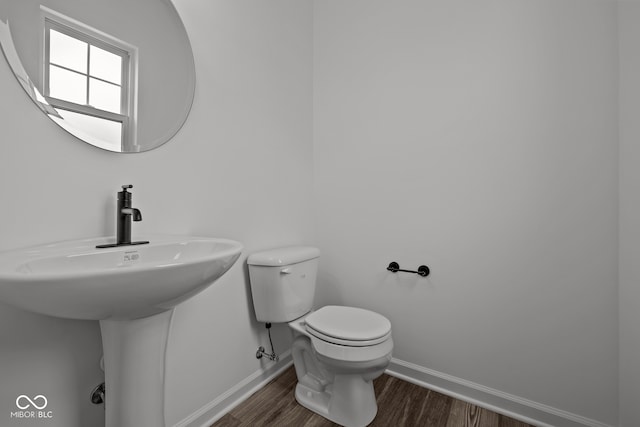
286, 271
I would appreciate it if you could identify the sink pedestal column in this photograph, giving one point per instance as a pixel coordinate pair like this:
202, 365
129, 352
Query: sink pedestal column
134, 366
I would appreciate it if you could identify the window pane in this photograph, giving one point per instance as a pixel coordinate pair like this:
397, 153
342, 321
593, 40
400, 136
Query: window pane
103, 133
67, 85
67, 51
104, 96
105, 65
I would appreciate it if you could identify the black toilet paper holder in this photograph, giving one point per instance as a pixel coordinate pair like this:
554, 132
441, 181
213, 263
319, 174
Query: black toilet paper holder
423, 270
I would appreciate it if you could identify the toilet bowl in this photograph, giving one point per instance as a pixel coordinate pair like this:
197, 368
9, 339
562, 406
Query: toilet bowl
335, 375
337, 351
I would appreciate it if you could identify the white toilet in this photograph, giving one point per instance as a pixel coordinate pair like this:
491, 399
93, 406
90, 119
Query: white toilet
337, 351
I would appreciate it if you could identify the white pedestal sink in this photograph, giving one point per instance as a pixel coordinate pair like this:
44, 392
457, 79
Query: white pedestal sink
132, 291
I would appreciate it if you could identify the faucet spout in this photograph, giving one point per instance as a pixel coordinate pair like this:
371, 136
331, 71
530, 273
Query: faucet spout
135, 213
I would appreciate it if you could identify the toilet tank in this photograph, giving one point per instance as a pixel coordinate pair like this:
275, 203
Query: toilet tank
283, 282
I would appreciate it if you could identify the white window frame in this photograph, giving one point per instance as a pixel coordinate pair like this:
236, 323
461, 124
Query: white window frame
129, 53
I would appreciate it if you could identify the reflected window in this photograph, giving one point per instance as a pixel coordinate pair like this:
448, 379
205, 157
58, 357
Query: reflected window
88, 79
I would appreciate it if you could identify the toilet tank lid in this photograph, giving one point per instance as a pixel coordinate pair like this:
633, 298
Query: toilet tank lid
283, 256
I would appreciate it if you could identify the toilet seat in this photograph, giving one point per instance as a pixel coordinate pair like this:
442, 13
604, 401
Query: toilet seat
348, 326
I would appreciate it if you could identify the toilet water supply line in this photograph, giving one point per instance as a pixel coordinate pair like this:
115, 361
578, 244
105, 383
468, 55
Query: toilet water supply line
261, 353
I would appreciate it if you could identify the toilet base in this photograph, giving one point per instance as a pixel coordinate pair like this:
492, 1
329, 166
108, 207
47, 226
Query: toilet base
355, 392
338, 389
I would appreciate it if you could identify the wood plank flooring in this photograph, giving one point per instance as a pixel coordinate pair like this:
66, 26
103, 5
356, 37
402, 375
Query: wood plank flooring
400, 404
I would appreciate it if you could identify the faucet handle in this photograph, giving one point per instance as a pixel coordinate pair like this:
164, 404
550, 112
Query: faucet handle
125, 196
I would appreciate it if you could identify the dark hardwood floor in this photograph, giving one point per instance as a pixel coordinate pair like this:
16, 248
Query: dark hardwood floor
399, 404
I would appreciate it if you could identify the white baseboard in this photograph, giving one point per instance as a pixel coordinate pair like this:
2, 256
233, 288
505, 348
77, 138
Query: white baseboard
512, 406
216, 409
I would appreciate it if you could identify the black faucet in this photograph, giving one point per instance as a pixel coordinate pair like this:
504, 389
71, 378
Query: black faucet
124, 215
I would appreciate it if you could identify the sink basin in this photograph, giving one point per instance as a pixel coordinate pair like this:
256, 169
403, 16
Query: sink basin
132, 291
75, 280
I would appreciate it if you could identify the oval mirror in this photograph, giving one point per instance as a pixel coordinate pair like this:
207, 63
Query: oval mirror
117, 74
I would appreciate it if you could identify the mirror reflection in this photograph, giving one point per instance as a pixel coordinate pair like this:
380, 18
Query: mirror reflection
118, 75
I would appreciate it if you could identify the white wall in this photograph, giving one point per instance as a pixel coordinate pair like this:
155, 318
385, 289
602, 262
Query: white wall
240, 168
629, 23
252, 135
479, 138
